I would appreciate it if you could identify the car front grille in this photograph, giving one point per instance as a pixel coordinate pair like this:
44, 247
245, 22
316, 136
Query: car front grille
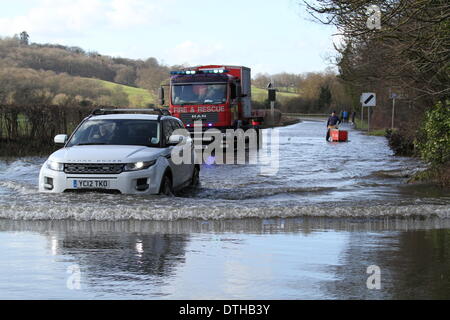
209, 117
93, 168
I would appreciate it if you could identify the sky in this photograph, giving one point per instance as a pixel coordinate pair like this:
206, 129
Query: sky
267, 36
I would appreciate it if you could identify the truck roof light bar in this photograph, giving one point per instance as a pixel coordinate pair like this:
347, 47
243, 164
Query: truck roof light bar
183, 72
215, 71
162, 112
190, 72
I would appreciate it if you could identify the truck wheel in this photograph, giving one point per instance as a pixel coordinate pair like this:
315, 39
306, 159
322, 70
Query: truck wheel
195, 177
166, 187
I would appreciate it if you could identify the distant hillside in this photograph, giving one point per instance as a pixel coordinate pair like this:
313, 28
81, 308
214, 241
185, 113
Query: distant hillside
74, 61
137, 97
32, 73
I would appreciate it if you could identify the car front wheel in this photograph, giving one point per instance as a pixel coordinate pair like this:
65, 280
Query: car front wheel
166, 186
195, 177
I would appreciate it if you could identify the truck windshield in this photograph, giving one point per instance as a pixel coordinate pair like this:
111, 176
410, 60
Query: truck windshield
187, 94
117, 132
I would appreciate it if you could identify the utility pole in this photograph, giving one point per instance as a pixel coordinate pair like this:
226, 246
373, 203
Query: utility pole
362, 115
393, 96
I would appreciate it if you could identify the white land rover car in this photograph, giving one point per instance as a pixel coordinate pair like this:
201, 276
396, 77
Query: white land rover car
121, 150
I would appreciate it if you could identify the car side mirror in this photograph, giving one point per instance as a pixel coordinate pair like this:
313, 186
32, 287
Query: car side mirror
161, 96
238, 91
60, 139
176, 139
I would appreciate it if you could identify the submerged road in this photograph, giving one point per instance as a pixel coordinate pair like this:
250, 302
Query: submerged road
309, 177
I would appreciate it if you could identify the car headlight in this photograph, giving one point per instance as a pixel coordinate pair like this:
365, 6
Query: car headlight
141, 165
55, 166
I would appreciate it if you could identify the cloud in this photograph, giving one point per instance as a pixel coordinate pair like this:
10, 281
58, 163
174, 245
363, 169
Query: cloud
126, 13
193, 53
71, 18
54, 18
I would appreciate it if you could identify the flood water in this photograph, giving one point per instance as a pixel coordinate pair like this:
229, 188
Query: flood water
308, 230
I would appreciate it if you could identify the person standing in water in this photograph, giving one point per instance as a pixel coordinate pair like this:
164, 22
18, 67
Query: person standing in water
332, 122
345, 116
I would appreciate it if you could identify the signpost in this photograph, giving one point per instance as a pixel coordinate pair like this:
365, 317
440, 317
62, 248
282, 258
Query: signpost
396, 93
368, 99
272, 98
393, 96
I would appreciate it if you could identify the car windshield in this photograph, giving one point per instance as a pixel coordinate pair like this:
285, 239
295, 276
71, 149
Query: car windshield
187, 94
117, 132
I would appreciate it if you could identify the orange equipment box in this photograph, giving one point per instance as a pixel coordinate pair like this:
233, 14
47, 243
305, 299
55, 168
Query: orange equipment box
339, 135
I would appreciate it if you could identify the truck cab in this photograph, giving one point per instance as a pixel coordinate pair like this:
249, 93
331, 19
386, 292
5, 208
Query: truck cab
218, 96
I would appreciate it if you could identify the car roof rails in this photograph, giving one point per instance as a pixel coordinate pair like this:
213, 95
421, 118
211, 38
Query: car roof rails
161, 111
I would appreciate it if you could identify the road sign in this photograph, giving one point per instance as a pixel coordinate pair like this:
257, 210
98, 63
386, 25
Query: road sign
397, 93
272, 94
369, 99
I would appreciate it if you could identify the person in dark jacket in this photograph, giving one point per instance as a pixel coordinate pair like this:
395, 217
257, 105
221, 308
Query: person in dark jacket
332, 122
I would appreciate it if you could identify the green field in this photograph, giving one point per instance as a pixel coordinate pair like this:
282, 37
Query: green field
260, 95
139, 97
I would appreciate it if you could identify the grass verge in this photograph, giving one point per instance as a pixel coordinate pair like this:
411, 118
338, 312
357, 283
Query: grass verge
362, 126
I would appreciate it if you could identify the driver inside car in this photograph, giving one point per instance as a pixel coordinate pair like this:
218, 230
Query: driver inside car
103, 133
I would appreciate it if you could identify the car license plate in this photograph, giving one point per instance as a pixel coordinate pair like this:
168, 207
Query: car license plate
90, 184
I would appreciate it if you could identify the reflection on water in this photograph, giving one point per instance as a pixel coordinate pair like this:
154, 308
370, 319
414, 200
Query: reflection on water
414, 265
303, 258
130, 264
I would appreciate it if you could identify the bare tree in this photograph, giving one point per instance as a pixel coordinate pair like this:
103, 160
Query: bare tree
411, 48
24, 38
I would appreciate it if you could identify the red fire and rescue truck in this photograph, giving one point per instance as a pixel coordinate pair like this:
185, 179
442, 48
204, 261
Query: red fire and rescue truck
217, 95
